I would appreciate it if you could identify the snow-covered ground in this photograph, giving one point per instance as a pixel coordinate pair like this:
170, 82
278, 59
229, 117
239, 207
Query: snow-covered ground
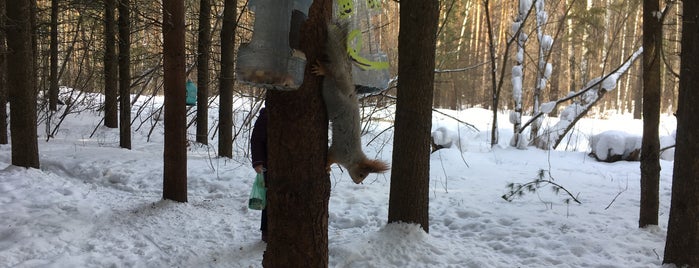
93, 204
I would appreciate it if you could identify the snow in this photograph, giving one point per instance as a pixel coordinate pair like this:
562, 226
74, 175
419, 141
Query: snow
515, 117
517, 71
609, 83
523, 37
515, 27
542, 17
614, 143
667, 141
517, 87
520, 54
93, 204
542, 83
548, 70
524, 6
547, 107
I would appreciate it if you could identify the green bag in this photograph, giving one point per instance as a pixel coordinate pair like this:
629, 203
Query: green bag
258, 195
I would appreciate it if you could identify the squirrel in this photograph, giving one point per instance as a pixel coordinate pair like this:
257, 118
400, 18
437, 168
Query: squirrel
342, 105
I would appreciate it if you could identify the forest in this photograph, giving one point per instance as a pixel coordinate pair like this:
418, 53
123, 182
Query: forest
527, 60
591, 38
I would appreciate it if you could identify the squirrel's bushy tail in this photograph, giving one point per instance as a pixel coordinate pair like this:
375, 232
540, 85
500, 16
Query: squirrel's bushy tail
374, 166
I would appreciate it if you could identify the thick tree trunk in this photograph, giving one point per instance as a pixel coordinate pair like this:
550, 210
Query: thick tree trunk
124, 74
299, 187
409, 196
175, 151
203, 46
650, 148
225, 110
21, 80
682, 244
111, 119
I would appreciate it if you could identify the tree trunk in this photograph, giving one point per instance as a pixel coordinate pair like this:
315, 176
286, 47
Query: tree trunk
650, 148
21, 80
125, 74
682, 246
35, 45
53, 87
495, 97
3, 76
409, 194
203, 45
517, 87
225, 110
299, 187
556, 58
175, 152
110, 67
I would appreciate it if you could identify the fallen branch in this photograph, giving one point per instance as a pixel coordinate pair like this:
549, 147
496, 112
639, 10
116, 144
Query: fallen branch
518, 190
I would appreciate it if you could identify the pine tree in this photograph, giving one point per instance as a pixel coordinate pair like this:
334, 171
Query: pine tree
110, 67
409, 194
175, 151
297, 140
681, 246
203, 46
21, 81
650, 148
226, 80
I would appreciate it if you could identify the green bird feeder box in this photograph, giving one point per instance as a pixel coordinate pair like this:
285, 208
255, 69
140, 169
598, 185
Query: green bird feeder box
370, 68
191, 93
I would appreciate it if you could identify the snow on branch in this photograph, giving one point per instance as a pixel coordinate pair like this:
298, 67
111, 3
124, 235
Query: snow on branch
593, 91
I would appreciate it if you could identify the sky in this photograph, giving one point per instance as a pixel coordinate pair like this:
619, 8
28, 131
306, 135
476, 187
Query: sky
93, 204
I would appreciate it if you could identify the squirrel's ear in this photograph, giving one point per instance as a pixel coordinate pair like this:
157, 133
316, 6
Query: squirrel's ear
374, 166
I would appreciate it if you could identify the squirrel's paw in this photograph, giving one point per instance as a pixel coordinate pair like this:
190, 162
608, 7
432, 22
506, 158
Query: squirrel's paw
318, 69
330, 162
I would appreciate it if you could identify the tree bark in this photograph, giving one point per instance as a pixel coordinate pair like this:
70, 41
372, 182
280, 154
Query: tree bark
226, 81
124, 74
650, 147
3, 76
495, 97
682, 244
409, 194
175, 151
21, 80
299, 187
111, 119
203, 46
53, 76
